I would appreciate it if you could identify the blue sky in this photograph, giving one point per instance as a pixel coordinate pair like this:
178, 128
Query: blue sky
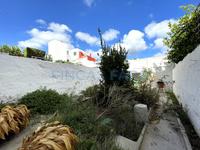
140, 25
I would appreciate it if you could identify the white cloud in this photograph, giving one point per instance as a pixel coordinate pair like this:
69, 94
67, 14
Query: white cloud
134, 41
158, 43
56, 27
110, 34
41, 21
40, 38
158, 30
88, 2
85, 37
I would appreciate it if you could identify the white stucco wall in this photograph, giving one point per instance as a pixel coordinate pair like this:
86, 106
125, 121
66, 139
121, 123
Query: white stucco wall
58, 50
186, 75
159, 66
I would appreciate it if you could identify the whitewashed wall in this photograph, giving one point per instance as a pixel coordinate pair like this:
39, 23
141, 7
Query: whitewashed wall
186, 75
58, 50
165, 73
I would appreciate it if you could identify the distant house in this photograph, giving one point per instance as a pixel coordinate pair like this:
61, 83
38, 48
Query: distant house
62, 51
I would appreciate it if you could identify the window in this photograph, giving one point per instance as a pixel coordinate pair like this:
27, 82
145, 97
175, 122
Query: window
74, 53
67, 52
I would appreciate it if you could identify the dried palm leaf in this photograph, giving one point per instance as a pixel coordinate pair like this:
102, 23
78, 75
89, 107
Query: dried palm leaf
53, 136
12, 119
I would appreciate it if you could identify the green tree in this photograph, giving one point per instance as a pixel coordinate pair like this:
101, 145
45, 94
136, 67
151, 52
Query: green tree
184, 35
113, 65
15, 51
11, 50
5, 49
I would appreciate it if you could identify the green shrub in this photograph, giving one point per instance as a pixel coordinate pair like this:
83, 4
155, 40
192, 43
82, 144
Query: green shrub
113, 65
120, 109
81, 116
48, 58
144, 92
90, 91
42, 101
11, 50
184, 34
33, 52
61, 61
124, 122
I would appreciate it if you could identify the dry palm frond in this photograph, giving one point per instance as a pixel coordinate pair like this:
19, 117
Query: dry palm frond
53, 136
12, 119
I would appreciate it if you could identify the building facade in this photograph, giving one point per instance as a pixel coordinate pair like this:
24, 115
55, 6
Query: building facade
62, 51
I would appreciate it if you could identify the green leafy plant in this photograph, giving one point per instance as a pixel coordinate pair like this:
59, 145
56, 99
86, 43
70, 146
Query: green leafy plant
42, 101
48, 58
145, 93
11, 50
33, 52
113, 65
184, 34
93, 132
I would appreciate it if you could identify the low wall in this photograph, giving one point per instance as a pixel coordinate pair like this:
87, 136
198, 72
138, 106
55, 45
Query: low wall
19, 76
186, 75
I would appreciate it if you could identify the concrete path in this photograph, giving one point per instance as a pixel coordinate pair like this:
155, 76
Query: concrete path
15, 141
165, 135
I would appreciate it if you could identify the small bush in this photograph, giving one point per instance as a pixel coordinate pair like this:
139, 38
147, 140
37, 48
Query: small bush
114, 65
184, 37
11, 50
145, 93
90, 91
82, 117
124, 122
61, 61
42, 101
119, 109
48, 58
33, 52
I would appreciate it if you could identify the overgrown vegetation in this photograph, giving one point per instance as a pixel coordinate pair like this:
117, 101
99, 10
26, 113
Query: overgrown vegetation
48, 58
33, 52
113, 65
102, 111
184, 34
28, 52
83, 118
117, 93
42, 101
11, 50
182, 114
146, 94
62, 61
93, 131
121, 103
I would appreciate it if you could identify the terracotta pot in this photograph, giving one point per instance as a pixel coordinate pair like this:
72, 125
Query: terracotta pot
161, 84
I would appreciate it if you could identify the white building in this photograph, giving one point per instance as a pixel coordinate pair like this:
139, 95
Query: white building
153, 63
62, 51
158, 65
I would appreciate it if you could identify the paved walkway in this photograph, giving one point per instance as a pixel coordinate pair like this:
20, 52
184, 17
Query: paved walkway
165, 135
